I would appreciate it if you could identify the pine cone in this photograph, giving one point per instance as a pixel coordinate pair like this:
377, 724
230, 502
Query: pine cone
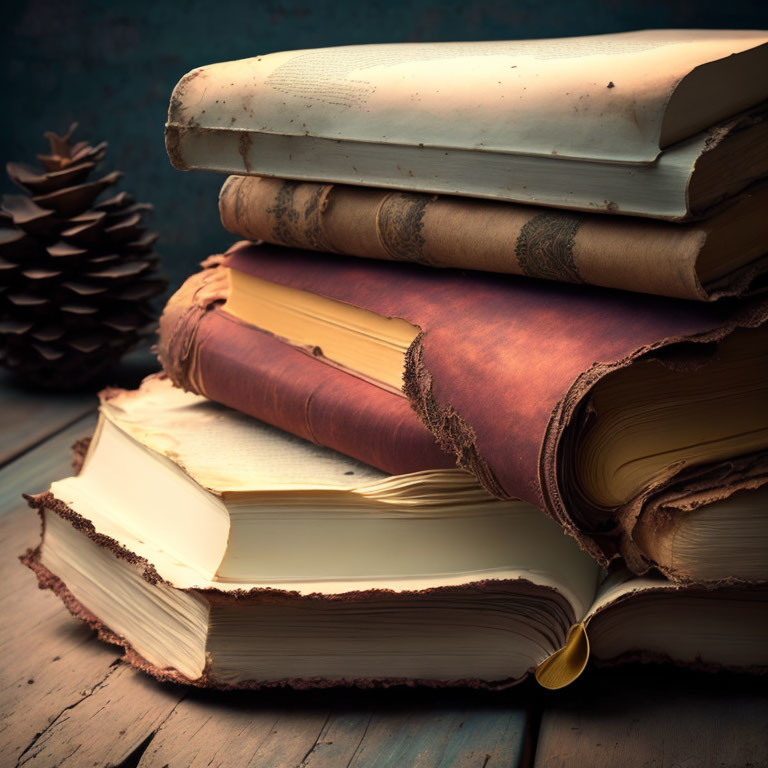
76, 276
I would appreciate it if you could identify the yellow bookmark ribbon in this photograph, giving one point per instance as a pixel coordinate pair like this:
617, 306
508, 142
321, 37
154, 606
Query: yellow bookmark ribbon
564, 666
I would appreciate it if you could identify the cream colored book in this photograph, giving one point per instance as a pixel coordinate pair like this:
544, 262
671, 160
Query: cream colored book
608, 122
222, 552
545, 613
237, 500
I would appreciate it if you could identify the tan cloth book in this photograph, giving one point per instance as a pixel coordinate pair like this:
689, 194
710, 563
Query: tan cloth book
724, 255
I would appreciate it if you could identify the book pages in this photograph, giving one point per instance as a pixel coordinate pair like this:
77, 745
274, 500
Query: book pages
602, 97
621, 585
227, 451
572, 577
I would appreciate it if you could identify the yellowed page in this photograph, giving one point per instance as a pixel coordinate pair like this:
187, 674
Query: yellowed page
602, 97
622, 584
561, 566
654, 619
224, 450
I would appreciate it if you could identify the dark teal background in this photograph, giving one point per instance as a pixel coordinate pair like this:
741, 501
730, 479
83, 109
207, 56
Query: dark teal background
111, 65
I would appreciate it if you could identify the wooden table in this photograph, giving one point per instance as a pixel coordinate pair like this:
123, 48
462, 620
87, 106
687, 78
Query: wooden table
68, 700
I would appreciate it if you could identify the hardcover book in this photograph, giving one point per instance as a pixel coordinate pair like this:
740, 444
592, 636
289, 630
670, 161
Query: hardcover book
612, 412
238, 500
544, 608
620, 123
724, 255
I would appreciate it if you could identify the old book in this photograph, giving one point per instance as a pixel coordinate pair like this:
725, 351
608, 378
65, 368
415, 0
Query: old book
546, 611
238, 500
268, 505
587, 403
721, 256
621, 123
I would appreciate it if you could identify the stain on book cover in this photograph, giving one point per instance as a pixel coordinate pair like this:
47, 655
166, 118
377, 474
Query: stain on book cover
294, 226
544, 247
399, 224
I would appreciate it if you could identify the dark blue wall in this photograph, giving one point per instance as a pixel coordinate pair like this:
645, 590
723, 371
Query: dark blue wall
111, 66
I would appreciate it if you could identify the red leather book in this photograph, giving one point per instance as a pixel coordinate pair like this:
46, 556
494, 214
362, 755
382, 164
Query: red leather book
514, 378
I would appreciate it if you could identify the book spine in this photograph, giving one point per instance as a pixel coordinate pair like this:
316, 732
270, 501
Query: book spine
655, 257
207, 351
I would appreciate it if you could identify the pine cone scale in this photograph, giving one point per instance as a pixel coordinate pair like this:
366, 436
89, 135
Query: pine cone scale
62, 250
29, 216
70, 200
42, 183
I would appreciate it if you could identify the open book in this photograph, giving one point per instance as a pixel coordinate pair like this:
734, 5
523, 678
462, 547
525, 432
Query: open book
580, 402
609, 122
247, 557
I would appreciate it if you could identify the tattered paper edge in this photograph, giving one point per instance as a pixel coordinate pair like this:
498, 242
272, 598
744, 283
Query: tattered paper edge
604, 546
47, 580
683, 495
204, 291
638, 656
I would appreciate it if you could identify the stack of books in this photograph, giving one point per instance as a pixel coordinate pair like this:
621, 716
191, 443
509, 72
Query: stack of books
545, 440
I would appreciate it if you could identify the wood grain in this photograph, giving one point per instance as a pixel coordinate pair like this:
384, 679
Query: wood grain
31, 416
656, 717
48, 661
340, 728
34, 471
68, 700
219, 731
455, 736
108, 724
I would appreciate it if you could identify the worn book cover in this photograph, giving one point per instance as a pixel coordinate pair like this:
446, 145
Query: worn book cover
724, 255
639, 122
586, 403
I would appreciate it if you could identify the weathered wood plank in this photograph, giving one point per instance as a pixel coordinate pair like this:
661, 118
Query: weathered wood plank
66, 696
105, 726
656, 717
342, 735
47, 659
221, 731
398, 733
244, 730
51, 671
456, 736
332, 728
28, 416
34, 471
